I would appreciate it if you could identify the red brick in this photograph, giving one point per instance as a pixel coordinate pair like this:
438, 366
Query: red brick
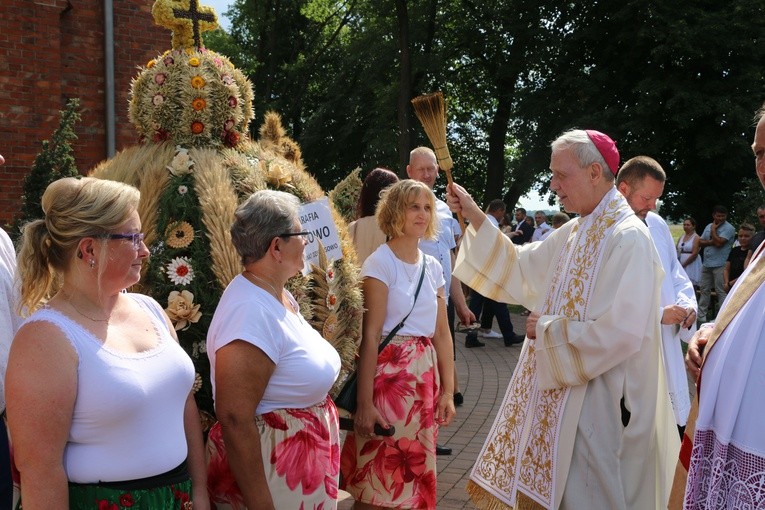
48, 55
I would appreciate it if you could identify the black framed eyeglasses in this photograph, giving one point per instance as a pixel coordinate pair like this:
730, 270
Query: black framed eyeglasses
135, 237
305, 235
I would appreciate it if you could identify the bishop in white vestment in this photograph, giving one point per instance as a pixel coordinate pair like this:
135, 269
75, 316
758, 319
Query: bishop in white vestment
586, 421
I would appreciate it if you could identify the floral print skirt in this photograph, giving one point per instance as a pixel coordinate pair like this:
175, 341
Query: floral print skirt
94, 497
398, 471
301, 458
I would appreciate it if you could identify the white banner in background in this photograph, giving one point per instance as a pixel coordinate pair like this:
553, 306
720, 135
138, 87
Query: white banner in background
316, 218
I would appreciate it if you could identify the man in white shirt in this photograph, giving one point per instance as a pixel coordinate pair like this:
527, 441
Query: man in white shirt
9, 323
542, 227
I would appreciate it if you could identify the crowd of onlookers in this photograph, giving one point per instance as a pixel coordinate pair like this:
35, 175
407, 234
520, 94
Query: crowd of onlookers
715, 259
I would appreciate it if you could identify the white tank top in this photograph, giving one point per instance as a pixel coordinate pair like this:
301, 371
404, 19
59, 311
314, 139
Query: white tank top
128, 414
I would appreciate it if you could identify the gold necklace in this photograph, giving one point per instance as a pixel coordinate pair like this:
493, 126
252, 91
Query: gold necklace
277, 294
68, 299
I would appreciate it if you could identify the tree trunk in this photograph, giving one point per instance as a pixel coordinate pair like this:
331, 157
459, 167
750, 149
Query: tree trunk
495, 164
404, 85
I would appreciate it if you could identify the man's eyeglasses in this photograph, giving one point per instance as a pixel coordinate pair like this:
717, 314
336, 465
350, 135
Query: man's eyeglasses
305, 235
136, 238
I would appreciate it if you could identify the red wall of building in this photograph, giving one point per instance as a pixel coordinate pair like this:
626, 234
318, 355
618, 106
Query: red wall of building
53, 50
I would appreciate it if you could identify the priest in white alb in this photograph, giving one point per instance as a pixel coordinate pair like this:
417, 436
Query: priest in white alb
726, 459
586, 422
641, 181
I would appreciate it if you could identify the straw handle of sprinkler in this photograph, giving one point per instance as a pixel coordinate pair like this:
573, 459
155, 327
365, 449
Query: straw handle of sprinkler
431, 112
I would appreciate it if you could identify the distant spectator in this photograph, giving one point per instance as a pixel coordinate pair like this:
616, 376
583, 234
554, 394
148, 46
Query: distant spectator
717, 240
364, 232
558, 220
737, 257
506, 224
542, 226
494, 211
522, 232
688, 251
758, 237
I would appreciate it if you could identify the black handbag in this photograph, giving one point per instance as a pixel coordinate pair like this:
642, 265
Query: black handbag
346, 398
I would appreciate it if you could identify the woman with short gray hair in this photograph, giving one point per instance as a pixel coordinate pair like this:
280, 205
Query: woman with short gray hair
276, 444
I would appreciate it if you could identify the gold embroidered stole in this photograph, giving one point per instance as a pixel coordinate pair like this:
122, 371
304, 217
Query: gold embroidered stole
519, 465
735, 302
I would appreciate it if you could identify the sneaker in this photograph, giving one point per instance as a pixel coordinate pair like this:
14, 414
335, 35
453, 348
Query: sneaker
489, 334
443, 450
458, 399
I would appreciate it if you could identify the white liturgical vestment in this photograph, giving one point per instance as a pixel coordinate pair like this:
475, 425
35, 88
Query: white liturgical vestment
676, 289
560, 438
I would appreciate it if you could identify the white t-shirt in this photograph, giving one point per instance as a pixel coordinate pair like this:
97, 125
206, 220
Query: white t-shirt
306, 364
401, 279
441, 247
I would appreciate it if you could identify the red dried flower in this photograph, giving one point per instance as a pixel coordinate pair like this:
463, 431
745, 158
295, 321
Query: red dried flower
197, 127
160, 135
198, 104
126, 500
231, 138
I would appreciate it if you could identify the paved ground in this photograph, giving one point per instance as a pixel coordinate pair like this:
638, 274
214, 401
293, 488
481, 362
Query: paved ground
484, 374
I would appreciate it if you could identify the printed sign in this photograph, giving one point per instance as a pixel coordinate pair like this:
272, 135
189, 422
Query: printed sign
316, 218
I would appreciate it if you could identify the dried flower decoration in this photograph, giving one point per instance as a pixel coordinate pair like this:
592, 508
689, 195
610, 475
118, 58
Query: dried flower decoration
278, 176
179, 271
187, 24
198, 104
181, 309
181, 163
183, 189
194, 62
179, 235
197, 127
231, 138
197, 82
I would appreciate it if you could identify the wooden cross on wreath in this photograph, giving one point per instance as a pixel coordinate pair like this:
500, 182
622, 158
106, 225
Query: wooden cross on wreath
186, 19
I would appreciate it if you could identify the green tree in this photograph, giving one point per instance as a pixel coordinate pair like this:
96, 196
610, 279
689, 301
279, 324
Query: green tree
676, 81
54, 161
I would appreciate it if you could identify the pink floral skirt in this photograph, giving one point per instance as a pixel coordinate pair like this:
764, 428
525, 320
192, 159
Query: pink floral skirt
398, 471
301, 458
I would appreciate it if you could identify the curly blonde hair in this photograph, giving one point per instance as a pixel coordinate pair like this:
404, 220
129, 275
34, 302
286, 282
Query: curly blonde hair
391, 210
74, 208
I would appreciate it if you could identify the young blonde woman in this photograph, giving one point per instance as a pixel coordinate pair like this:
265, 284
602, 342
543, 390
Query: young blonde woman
409, 384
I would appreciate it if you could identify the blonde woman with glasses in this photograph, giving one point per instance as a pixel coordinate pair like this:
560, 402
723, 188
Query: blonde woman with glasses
99, 392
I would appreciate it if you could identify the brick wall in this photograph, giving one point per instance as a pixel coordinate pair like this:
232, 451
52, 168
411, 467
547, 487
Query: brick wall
53, 50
